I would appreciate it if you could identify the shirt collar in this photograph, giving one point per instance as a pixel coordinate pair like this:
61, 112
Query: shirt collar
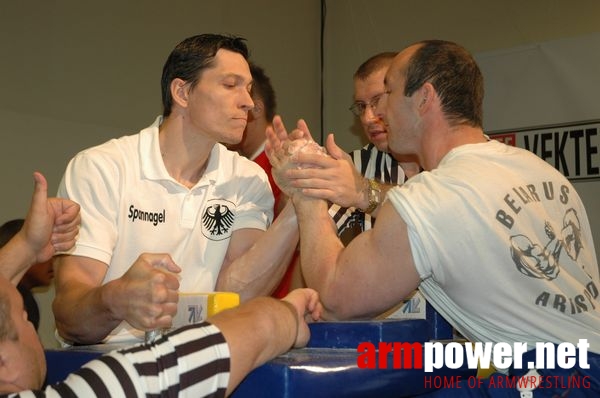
153, 167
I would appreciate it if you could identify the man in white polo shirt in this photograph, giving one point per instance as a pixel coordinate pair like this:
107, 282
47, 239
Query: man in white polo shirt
172, 189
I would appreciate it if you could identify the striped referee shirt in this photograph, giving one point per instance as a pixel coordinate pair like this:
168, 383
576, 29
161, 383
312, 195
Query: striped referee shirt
192, 361
371, 163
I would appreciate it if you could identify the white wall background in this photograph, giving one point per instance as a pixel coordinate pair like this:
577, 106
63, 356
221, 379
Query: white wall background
547, 83
76, 73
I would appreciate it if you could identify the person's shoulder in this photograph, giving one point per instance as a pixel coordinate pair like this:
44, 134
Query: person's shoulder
111, 145
114, 146
126, 142
490, 148
113, 154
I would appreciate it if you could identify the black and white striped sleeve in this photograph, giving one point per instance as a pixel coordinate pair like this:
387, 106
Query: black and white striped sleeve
190, 362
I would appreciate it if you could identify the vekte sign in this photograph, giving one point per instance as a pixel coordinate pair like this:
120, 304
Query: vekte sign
571, 148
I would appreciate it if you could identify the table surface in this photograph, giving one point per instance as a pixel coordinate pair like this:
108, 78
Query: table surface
327, 367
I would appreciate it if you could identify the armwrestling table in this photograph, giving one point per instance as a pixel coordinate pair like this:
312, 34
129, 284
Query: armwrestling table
327, 367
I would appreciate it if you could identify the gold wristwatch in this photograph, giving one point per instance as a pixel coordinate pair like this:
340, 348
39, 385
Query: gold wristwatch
373, 195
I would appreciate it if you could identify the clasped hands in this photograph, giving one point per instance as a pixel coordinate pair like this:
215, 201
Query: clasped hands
303, 169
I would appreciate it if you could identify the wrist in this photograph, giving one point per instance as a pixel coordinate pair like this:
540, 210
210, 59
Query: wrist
26, 248
111, 302
301, 201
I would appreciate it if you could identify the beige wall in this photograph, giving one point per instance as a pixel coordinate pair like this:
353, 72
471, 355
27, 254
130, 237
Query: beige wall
75, 73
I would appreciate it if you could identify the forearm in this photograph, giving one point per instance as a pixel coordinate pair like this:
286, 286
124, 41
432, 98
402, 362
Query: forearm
15, 259
273, 330
259, 270
320, 248
82, 313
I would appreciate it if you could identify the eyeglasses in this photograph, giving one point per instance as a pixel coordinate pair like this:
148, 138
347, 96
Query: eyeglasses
358, 108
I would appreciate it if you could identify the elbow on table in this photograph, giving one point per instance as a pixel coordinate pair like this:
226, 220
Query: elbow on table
337, 308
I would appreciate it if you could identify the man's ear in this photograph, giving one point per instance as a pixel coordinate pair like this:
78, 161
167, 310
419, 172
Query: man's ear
425, 96
259, 108
179, 91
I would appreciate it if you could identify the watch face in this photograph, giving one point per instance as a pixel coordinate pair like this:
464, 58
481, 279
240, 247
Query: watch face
375, 191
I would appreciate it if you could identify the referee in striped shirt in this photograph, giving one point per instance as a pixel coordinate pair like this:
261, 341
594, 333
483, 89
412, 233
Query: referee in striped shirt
379, 169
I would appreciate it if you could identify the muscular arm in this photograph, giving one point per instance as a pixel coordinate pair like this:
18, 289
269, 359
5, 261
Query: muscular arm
79, 308
264, 328
373, 273
257, 260
86, 311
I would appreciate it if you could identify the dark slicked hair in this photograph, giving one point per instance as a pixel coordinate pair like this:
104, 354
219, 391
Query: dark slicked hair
263, 90
190, 57
454, 74
373, 64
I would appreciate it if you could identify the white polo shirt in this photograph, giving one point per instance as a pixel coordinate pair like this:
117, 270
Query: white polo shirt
131, 205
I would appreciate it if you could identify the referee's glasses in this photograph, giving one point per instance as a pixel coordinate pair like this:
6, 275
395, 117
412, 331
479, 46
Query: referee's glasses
359, 107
